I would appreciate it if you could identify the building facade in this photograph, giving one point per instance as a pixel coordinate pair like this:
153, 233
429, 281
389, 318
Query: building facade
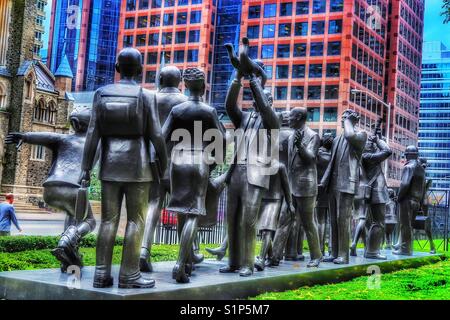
86, 32
40, 101
40, 28
434, 127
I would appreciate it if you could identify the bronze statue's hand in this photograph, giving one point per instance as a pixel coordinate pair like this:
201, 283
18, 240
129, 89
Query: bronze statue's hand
291, 208
234, 60
14, 138
247, 66
373, 138
85, 178
298, 138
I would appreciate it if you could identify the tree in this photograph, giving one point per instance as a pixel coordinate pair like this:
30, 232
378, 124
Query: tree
446, 10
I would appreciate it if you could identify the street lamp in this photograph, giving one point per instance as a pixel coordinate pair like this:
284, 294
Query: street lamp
354, 91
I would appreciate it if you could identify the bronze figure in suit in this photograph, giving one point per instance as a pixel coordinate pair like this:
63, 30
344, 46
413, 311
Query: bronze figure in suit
189, 170
341, 180
61, 186
167, 97
302, 168
249, 178
410, 195
391, 219
125, 122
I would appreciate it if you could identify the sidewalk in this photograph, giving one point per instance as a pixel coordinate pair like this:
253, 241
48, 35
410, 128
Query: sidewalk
41, 216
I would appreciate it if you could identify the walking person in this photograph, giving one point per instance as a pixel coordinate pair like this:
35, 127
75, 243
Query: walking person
8, 216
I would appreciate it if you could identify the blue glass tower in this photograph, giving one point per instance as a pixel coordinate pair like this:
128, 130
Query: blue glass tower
434, 123
227, 31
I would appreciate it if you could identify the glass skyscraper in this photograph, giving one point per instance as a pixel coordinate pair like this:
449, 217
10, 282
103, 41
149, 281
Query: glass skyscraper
434, 124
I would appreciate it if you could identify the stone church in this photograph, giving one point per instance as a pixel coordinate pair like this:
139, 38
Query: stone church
31, 99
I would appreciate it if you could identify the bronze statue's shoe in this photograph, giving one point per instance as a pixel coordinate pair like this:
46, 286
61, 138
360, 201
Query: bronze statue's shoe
273, 263
353, 251
340, 260
145, 265
400, 252
198, 258
328, 259
300, 257
139, 283
388, 247
67, 258
103, 282
432, 251
314, 263
67, 250
188, 268
291, 258
246, 272
218, 252
179, 274
228, 269
259, 264
375, 256
395, 246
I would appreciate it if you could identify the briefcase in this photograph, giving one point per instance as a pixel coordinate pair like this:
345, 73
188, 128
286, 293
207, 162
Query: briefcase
82, 202
420, 222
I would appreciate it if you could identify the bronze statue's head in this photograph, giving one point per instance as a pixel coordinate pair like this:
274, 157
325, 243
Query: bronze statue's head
423, 162
194, 79
284, 119
79, 119
129, 63
370, 146
411, 153
327, 141
297, 117
169, 77
352, 115
391, 193
269, 97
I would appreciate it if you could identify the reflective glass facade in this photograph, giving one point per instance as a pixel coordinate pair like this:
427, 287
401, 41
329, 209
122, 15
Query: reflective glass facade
434, 124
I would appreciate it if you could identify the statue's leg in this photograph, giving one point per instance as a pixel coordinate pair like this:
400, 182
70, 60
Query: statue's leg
376, 231
333, 205
305, 208
361, 211
156, 201
197, 257
136, 195
291, 251
389, 228
112, 195
428, 232
301, 237
322, 215
266, 237
253, 196
406, 231
220, 252
281, 235
188, 226
345, 204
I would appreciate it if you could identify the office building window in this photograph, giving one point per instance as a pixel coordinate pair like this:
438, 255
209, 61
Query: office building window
131, 5
297, 92
37, 153
267, 51
317, 27
319, 6
169, 3
181, 17
150, 76
129, 23
253, 32
334, 48
314, 92
280, 93
269, 72
196, 16
301, 28
183, 2
253, 52
178, 56
254, 12
180, 37
298, 71
284, 51
156, 4
142, 22
152, 57
194, 36
330, 114
143, 4
313, 114
168, 19
336, 5
282, 72
153, 39
335, 26
165, 56
140, 40
155, 21
299, 49
166, 38
285, 9
196, 1
192, 55
316, 49
128, 41
284, 29
331, 91
315, 70
270, 10
247, 94
302, 7
333, 69
268, 31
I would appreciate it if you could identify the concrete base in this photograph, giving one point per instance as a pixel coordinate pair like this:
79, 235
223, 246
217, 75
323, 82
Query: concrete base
206, 281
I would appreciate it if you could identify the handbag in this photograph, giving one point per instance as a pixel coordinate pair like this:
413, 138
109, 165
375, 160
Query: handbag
420, 221
367, 191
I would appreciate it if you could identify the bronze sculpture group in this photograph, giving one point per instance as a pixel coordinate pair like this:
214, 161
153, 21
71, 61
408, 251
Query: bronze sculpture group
137, 136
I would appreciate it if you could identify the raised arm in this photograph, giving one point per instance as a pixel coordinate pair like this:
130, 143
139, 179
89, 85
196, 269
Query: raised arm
268, 115
231, 106
154, 130
355, 138
381, 155
308, 152
92, 139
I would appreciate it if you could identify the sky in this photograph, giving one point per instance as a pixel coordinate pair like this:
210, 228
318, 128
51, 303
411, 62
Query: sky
434, 28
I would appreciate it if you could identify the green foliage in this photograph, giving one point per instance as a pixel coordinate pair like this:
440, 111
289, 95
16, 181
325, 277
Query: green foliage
427, 282
446, 10
95, 190
26, 243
